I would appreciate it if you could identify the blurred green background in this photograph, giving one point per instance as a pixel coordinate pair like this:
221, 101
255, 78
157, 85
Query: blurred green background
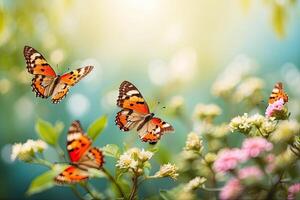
164, 47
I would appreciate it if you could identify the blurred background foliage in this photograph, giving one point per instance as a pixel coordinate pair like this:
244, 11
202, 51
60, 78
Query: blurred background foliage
167, 48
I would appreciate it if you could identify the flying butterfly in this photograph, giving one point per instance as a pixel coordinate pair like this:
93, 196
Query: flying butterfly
82, 156
135, 114
45, 82
278, 93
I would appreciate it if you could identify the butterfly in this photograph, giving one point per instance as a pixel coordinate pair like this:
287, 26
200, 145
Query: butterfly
45, 82
278, 93
82, 156
135, 114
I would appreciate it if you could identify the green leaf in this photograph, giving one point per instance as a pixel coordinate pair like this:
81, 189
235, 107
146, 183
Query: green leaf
165, 195
96, 173
97, 127
111, 150
42, 182
48, 132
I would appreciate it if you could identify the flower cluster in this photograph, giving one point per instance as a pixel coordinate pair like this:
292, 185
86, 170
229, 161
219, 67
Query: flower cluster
193, 143
27, 150
207, 112
255, 125
293, 191
277, 110
195, 183
167, 170
134, 159
250, 89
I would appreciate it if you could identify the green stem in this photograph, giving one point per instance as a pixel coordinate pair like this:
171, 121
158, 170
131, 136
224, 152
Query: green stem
90, 191
77, 194
212, 189
111, 178
134, 186
43, 162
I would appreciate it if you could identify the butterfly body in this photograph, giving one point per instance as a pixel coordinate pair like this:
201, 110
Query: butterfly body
135, 114
46, 82
83, 156
278, 93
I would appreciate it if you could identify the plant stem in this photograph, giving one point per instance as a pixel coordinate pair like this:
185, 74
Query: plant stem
77, 194
212, 189
43, 162
134, 186
273, 188
89, 191
111, 178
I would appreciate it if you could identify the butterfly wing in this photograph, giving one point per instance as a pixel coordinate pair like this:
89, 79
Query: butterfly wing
128, 119
278, 93
71, 175
131, 98
77, 143
44, 74
92, 159
154, 129
68, 80
36, 63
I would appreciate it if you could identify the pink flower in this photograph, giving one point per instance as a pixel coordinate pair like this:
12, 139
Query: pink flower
250, 172
293, 190
228, 159
231, 190
253, 147
276, 106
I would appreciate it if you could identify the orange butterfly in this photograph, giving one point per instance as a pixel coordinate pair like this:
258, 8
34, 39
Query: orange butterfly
135, 114
278, 93
82, 155
45, 82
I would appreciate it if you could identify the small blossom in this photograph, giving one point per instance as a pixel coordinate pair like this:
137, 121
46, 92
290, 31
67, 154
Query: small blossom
210, 158
221, 131
293, 191
232, 190
248, 89
177, 103
252, 172
275, 108
26, 151
255, 146
193, 142
126, 162
145, 155
228, 159
241, 123
167, 170
268, 126
209, 111
286, 131
257, 120
195, 183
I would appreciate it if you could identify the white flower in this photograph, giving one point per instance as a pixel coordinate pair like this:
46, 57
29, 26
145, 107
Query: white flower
167, 170
241, 123
210, 111
193, 142
257, 120
248, 88
195, 183
26, 151
126, 161
269, 125
134, 159
145, 155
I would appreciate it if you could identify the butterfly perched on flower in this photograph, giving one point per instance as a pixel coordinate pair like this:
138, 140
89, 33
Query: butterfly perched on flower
278, 93
277, 100
82, 156
135, 114
46, 82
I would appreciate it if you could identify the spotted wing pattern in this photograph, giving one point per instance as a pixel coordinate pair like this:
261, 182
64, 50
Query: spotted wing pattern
131, 98
154, 129
68, 80
128, 119
82, 155
278, 93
